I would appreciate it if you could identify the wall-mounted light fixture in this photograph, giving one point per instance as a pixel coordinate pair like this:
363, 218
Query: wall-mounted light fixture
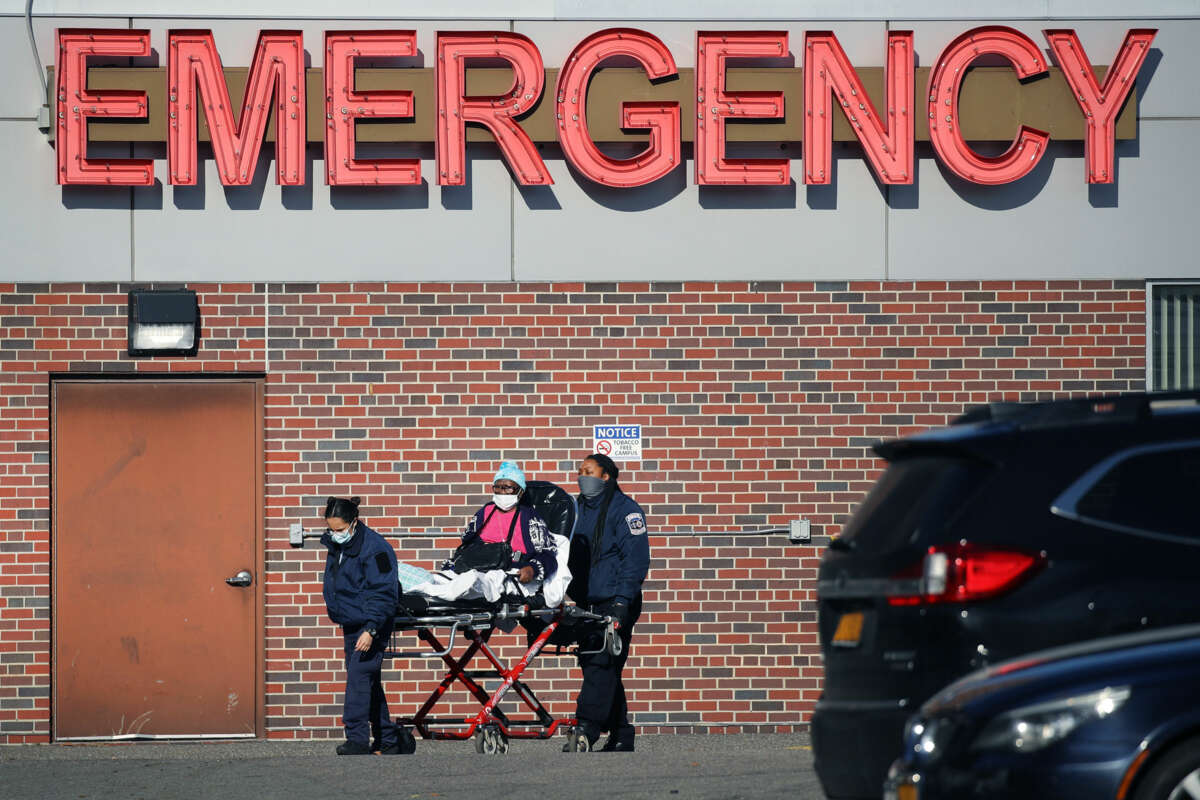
163, 322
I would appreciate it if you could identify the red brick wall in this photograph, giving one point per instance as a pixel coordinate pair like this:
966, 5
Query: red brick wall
758, 403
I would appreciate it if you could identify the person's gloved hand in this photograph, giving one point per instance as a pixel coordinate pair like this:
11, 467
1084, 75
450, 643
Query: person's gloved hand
619, 610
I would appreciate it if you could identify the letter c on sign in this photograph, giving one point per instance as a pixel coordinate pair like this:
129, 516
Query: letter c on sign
945, 82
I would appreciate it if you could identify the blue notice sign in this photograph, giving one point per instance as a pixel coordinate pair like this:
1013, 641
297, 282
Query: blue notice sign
620, 442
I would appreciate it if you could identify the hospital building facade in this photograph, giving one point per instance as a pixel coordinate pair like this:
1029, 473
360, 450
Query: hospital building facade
257, 254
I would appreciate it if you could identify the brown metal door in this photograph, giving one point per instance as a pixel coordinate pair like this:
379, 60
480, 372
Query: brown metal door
157, 498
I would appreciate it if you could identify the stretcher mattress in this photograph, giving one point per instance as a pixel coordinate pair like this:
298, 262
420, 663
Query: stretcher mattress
490, 585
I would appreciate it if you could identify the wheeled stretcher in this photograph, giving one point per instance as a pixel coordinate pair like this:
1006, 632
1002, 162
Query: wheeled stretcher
491, 727
563, 628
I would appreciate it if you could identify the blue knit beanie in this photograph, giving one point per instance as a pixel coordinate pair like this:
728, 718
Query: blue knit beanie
510, 471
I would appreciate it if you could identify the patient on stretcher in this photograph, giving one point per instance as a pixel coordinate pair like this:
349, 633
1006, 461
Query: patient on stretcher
507, 548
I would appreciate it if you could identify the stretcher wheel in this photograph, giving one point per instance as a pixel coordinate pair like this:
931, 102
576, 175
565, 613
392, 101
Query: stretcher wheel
614, 642
577, 741
490, 741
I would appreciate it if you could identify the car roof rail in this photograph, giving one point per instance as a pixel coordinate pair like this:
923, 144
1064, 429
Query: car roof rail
1103, 408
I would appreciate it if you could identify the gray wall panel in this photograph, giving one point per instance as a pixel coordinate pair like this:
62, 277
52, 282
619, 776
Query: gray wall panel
1166, 83
20, 94
1066, 9
491, 230
620, 9
1051, 224
293, 9
864, 42
674, 230
49, 234
298, 233
268, 232
20, 91
799, 9
236, 38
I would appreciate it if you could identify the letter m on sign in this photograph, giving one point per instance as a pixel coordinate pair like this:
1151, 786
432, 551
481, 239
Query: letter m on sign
196, 79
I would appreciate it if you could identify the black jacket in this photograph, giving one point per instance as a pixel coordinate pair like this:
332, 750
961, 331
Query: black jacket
619, 566
360, 584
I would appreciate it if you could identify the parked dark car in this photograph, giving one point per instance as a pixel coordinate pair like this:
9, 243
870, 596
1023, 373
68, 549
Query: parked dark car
1019, 528
1112, 718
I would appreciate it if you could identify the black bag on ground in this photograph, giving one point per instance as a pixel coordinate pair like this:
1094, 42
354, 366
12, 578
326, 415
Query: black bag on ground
405, 740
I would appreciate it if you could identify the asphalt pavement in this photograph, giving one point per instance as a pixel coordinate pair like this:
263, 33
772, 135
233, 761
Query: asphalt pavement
729, 767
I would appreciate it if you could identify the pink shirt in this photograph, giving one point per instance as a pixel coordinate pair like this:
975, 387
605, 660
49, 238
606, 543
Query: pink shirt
496, 528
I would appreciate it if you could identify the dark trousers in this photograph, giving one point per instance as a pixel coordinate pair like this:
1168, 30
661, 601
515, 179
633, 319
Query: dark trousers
365, 713
601, 699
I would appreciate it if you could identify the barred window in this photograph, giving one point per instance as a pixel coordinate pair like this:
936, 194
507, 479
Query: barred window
1174, 341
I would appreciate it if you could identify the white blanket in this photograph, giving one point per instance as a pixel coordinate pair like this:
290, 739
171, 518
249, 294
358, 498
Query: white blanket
491, 585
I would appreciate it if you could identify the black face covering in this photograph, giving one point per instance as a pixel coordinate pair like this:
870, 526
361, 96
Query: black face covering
591, 487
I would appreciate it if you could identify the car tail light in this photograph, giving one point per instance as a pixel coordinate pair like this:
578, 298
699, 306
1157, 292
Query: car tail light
964, 573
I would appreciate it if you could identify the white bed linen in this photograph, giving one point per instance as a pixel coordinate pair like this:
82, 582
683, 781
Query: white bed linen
490, 585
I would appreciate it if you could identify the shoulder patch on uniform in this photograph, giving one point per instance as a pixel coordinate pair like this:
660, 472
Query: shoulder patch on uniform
383, 563
636, 523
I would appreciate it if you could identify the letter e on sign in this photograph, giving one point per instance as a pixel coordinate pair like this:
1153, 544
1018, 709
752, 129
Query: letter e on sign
76, 103
343, 105
714, 105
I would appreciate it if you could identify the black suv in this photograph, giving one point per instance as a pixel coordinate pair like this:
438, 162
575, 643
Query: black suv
1019, 527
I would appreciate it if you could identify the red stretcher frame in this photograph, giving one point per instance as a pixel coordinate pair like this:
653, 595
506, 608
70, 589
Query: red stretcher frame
490, 727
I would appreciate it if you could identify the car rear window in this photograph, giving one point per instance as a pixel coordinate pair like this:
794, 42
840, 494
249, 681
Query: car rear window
912, 500
1152, 492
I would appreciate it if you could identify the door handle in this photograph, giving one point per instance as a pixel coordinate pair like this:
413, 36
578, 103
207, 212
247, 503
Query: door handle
243, 578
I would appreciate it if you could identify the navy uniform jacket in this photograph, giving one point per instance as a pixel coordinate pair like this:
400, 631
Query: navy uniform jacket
618, 569
360, 586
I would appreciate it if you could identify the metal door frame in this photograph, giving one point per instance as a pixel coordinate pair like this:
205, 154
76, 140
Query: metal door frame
258, 380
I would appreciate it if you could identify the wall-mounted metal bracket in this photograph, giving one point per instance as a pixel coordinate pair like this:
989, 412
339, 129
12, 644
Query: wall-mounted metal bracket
297, 534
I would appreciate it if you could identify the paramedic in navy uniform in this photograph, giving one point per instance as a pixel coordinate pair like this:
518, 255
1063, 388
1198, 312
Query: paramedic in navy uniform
613, 528
361, 593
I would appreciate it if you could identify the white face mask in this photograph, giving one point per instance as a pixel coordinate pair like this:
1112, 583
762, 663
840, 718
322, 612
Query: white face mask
343, 536
505, 501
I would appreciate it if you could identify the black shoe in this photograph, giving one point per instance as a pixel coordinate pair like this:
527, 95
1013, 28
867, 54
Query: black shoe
353, 749
617, 745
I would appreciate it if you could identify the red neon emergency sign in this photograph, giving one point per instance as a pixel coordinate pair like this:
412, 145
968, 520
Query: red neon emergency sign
831, 86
